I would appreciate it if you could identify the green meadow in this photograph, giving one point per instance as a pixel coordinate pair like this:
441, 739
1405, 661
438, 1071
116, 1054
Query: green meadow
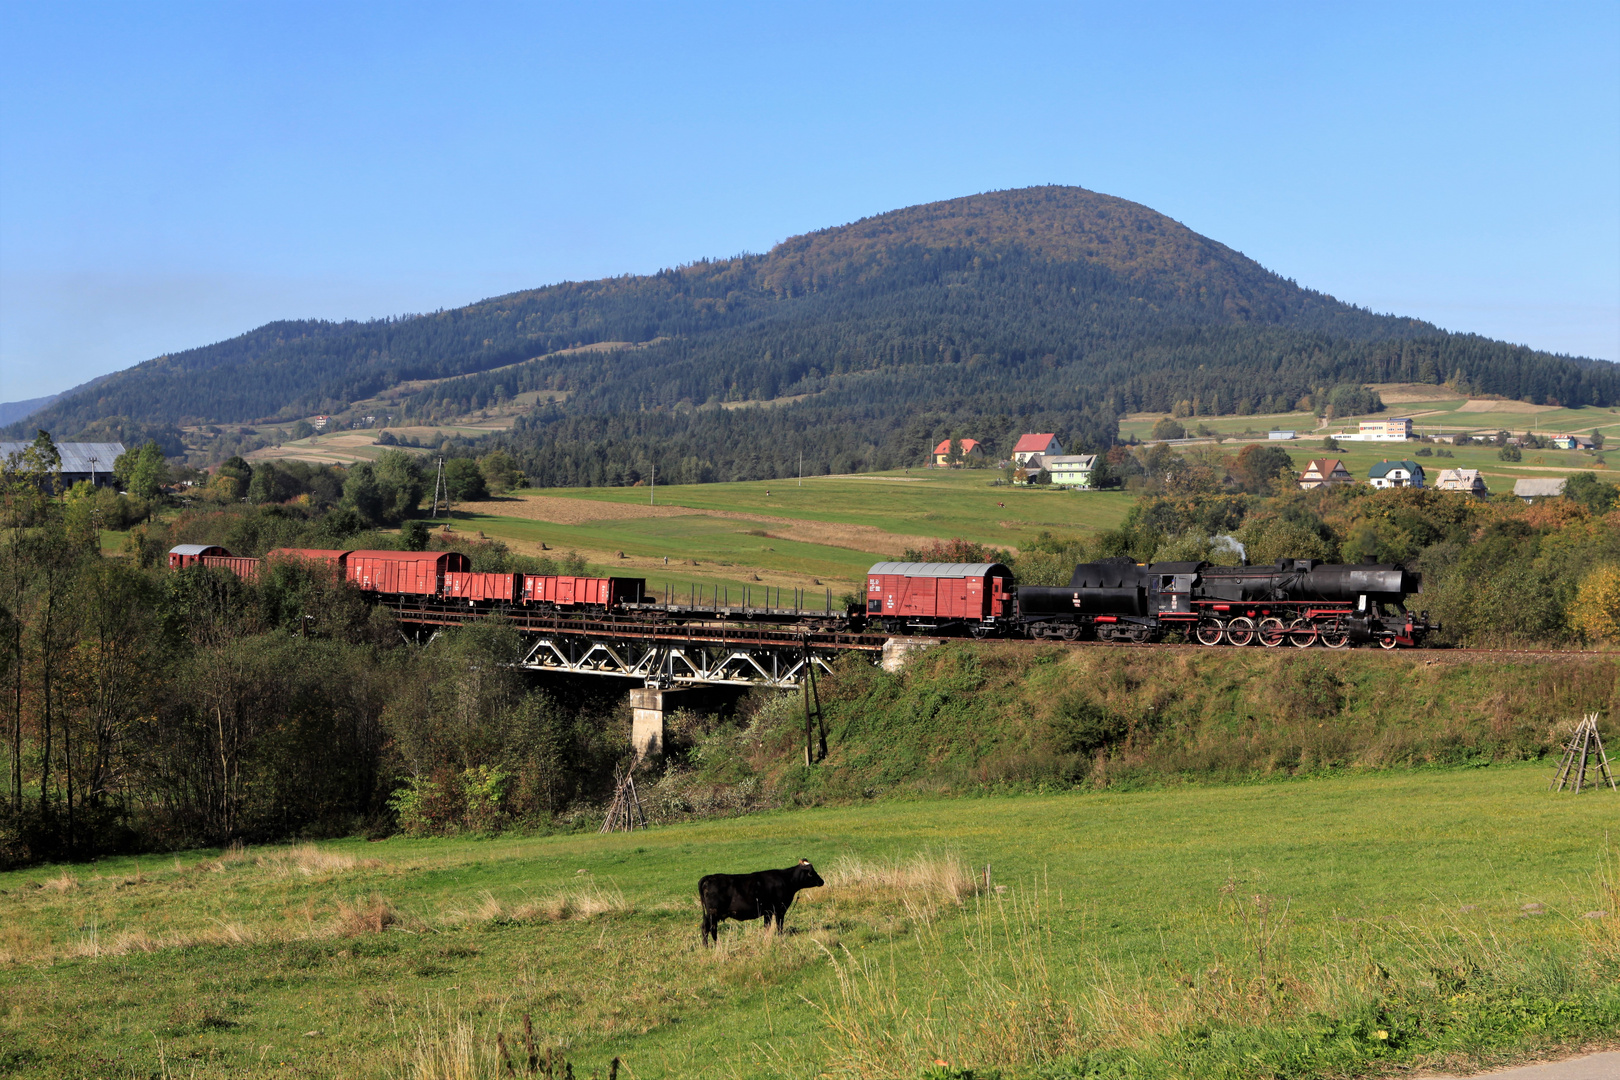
1346, 925
852, 522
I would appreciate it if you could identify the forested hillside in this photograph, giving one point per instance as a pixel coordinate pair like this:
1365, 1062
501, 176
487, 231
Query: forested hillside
1053, 308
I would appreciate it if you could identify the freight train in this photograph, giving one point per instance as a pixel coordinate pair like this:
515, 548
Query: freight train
1299, 602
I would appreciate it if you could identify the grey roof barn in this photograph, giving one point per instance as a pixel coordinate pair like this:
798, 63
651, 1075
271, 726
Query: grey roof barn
80, 460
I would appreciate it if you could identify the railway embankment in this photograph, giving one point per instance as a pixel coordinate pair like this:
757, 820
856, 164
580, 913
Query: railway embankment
967, 718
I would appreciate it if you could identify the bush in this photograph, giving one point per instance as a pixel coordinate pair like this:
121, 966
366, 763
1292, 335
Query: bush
1167, 429
1595, 614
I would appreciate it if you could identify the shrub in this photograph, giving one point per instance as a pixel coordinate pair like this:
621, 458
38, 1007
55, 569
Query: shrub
1595, 614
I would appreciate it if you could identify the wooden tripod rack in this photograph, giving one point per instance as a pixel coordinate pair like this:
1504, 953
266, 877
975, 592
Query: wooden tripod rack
624, 812
1586, 745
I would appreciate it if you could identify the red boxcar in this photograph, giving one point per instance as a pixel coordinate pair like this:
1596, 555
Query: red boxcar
318, 555
576, 591
182, 555
409, 573
240, 565
483, 586
937, 595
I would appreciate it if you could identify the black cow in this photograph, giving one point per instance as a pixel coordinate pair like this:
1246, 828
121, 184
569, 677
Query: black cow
763, 894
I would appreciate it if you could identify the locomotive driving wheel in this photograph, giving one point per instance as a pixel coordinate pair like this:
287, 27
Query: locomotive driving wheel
1240, 631
1301, 634
1336, 637
1208, 633
1388, 642
1272, 631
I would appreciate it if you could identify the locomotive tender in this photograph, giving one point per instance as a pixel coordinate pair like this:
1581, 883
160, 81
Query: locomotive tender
1302, 602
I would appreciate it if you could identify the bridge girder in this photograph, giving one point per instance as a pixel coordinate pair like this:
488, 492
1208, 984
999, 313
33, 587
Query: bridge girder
776, 664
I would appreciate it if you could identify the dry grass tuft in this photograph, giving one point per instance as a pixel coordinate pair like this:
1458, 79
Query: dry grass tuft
63, 882
584, 901
311, 861
371, 917
936, 877
448, 1047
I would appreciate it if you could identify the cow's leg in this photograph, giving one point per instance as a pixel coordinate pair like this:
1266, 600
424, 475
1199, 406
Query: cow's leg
711, 928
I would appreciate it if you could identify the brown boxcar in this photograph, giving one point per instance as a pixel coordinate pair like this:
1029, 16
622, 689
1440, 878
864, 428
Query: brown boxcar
458, 586
938, 595
406, 573
563, 591
182, 555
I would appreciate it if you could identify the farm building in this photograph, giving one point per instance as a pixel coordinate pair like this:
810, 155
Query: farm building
1320, 472
1276, 434
1468, 481
91, 461
1071, 470
1396, 474
971, 450
1397, 430
1573, 442
1533, 488
1044, 445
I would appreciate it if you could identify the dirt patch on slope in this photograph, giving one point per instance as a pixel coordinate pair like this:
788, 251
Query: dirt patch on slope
1504, 406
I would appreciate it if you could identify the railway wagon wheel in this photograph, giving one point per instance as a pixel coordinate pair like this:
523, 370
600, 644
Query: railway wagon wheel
1301, 634
1240, 631
1272, 632
1208, 633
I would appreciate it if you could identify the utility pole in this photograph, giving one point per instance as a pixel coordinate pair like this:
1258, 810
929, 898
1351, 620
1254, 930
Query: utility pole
801, 468
652, 486
438, 486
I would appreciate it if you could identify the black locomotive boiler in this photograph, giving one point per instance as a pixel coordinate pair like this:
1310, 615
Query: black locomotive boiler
1302, 602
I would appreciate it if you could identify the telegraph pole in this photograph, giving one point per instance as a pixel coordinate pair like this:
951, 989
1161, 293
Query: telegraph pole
652, 486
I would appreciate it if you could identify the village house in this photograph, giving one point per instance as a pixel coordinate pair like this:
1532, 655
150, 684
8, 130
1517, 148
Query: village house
1035, 446
1071, 470
1396, 474
1321, 472
970, 451
1467, 481
1572, 442
1533, 488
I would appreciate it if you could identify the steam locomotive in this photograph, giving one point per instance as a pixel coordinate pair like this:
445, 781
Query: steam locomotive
1301, 602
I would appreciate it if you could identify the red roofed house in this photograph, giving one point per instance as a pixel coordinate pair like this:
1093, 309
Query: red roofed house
970, 448
1032, 445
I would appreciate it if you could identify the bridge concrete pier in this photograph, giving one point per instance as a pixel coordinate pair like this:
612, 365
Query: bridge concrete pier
896, 651
648, 705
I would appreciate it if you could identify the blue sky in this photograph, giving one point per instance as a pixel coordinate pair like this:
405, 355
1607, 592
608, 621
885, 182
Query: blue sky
173, 174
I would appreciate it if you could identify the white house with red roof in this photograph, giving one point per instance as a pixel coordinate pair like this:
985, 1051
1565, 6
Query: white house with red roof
1036, 446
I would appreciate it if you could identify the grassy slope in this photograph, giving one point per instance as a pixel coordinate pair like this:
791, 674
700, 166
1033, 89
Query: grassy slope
1143, 918
927, 503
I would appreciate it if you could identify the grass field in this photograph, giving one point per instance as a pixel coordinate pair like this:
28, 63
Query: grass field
830, 529
1334, 926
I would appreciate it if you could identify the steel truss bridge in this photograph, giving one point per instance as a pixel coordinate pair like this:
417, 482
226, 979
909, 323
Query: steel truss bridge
710, 652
